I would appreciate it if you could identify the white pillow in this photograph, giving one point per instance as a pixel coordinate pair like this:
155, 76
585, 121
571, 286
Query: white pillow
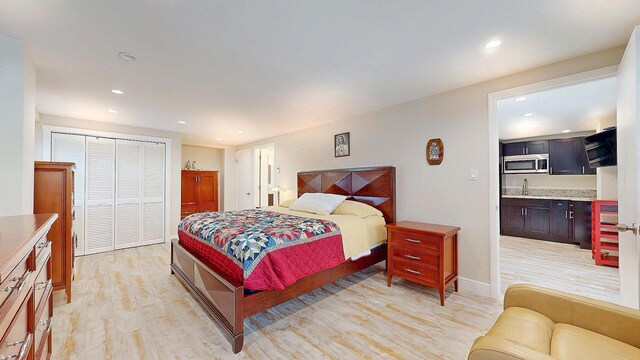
317, 203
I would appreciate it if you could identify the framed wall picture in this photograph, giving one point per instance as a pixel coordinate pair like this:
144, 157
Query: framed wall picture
435, 151
342, 145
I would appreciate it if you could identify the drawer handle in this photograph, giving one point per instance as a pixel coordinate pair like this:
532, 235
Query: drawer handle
47, 323
26, 344
412, 257
43, 285
413, 241
413, 271
22, 281
44, 244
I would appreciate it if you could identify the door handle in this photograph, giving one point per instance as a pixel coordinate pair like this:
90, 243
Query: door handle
622, 228
570, 214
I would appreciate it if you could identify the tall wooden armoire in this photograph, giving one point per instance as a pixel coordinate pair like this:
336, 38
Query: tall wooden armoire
199, 192
53, 193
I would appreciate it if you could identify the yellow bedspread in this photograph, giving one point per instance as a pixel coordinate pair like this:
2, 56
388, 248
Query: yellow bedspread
358, 234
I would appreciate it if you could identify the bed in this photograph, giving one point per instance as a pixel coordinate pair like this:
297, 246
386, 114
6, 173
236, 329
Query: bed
232, 285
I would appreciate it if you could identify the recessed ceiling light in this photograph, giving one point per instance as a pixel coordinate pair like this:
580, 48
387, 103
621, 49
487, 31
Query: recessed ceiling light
240, 131
533, 125
219, 139
127, 56
116, 91
566, 131
528, 114
182, 122
493, 44
112, 111
521, 98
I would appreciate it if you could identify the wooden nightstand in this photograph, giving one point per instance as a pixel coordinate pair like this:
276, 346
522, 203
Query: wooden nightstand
423, 253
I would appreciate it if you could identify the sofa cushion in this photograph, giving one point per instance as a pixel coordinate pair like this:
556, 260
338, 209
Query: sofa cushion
525, 327
572, 342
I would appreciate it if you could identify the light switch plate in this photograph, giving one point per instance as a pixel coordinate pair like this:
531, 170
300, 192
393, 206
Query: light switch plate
473, 174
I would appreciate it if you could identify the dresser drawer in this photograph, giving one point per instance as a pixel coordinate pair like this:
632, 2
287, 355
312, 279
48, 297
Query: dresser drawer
415, 271
16, 283
43, 328
415, 241
43, 244
17, 339
415, 257
42, 285
44, 350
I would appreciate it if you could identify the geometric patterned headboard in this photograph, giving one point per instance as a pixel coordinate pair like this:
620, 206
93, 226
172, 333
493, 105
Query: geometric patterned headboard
375, 186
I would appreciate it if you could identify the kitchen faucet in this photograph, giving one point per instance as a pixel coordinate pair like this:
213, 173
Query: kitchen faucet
525, 187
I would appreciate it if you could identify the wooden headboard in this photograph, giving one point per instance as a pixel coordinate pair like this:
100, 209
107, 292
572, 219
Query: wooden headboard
375, 186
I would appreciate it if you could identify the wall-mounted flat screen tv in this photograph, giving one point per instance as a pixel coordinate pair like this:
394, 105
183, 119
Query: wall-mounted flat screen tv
601, 148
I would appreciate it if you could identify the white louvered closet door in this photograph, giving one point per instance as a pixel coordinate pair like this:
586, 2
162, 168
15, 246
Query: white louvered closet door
128, 194
153, 193
99, 216
70, 148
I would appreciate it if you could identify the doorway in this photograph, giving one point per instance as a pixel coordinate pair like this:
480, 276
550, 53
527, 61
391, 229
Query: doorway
265, 174
543, 184
244, 179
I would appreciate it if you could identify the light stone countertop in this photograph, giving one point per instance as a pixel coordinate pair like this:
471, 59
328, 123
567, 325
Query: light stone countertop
573, 198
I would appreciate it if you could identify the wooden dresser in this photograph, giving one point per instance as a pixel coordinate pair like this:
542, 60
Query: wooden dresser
53, 193
199, 192
26, 304
423, 253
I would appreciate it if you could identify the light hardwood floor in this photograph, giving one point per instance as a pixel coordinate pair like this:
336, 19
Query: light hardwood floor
558, 266
126, 305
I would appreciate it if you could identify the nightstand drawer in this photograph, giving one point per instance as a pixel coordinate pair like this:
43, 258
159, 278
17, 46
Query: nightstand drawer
415, 241
411, 270
415, 257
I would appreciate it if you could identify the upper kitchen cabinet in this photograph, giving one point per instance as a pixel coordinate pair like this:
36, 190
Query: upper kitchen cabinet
537, 147
567, 157
525, 148
586, 169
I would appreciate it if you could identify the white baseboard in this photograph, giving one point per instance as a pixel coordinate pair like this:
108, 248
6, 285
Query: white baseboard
475, 287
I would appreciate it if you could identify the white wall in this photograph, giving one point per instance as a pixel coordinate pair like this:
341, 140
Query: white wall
229, 179
176, 151
397, 136
17, 121
210, 159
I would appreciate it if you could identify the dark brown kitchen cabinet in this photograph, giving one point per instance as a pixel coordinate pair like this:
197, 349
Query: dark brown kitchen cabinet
512, 219
526, 147
564, 156
582, 223
525, 218
562, 221
586, 169
568, 157
561, 229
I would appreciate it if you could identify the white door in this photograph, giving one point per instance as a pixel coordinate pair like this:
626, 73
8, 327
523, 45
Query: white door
99, 216
628, 156
128, 231
244, 179
153, 193
263, 187
70, 148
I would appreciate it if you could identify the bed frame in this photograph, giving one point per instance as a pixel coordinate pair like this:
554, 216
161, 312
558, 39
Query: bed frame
224, 298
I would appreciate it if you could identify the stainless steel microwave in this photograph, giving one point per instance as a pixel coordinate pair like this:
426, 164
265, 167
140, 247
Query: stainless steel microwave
525, 164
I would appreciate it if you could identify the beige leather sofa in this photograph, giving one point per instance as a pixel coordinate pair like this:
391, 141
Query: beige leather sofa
539, 323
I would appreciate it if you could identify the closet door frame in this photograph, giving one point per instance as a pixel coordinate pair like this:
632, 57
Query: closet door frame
47, 130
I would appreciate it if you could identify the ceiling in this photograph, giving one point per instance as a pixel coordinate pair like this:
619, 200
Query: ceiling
269, 67
575, 108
